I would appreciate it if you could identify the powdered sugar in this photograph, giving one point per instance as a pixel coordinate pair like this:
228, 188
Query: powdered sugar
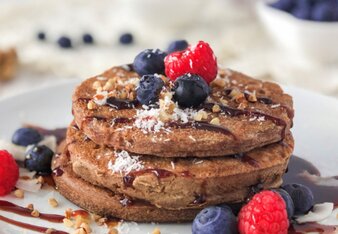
125, 163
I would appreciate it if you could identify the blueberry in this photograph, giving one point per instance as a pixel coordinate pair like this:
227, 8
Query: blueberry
149, 89
65, 42
126, 38
41, 36
302, 197
324, 11
215, 220
149, 62
26, 136
87, 38
190, 90
303, 12
177, 46
39, 159
290, 207
284, 5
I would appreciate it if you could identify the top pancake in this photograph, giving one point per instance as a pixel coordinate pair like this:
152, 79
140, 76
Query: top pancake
240, 114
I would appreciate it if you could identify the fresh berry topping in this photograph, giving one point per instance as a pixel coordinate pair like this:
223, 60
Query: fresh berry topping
9, 172
26, 136
265, 213
177, 46
149, 89
41, 36
198, 59
302, 197
284, 5
149, 62
39, 159
325, 11
190, 90
126, 38
215, 220
65, 42
290, 207
87, 38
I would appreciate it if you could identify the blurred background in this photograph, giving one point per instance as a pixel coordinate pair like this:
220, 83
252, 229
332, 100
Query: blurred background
293, 42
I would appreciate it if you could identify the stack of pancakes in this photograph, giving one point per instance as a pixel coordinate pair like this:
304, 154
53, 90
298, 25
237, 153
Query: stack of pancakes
139, 163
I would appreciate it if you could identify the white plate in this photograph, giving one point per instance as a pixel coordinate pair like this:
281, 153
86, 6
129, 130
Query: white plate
315, 131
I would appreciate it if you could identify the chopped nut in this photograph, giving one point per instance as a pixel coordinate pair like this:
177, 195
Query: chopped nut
41, 180
108, 85
113, 231
242, 105
35, 213
218, 83
223, 101
49, 231
96, 217
79, 220
101, 221
216, 108
198, 116
123, 94
91, 105
68, 213
215, 121
156, 231
252, 97
8, 64
97, 85
53, 202
80, 231
19, 193
30, 206
86, 227
68, 222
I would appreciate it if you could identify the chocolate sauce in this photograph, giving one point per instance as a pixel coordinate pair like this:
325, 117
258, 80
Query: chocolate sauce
120, 104
10, 207
246, 159
30, 226
203, 126
295, 174
57, 171
199, 199
121, 120
233, 112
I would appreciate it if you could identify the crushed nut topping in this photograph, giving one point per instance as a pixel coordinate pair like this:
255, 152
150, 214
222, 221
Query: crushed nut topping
215, 121
19, 193
53, 202
156, 231
35, 213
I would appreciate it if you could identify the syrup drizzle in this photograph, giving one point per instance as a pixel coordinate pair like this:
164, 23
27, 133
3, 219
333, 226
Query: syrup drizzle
120, 104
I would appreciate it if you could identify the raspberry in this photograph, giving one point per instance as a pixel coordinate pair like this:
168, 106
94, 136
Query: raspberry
265, 213
198, 59
9, 172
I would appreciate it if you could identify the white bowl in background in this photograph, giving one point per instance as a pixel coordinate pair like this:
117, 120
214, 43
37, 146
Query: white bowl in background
317, 41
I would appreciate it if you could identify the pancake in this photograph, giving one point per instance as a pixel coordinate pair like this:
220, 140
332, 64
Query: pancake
106, 203
240, 114
179, 183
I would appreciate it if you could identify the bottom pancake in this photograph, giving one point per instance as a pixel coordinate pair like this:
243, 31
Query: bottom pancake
106, 203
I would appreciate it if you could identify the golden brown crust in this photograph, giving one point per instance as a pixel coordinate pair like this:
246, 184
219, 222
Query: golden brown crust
249, 131
106, 203
214, 179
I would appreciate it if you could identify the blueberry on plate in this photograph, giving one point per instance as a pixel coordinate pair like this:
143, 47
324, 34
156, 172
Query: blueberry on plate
149, 61
290, 207
302, 12
302, 197
215, 220
87, 38
41, 36
149, 89
324, 11
26, 136
177, 46
64, 42
126, 38
284, 5
39, 159
190, 90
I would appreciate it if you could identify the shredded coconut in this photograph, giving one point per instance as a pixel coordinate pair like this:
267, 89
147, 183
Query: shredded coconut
124, 163
100, 98
275, 106
148, 120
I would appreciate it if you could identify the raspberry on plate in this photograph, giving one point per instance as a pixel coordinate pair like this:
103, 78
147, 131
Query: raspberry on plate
265, 213
198, 59
9, 172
